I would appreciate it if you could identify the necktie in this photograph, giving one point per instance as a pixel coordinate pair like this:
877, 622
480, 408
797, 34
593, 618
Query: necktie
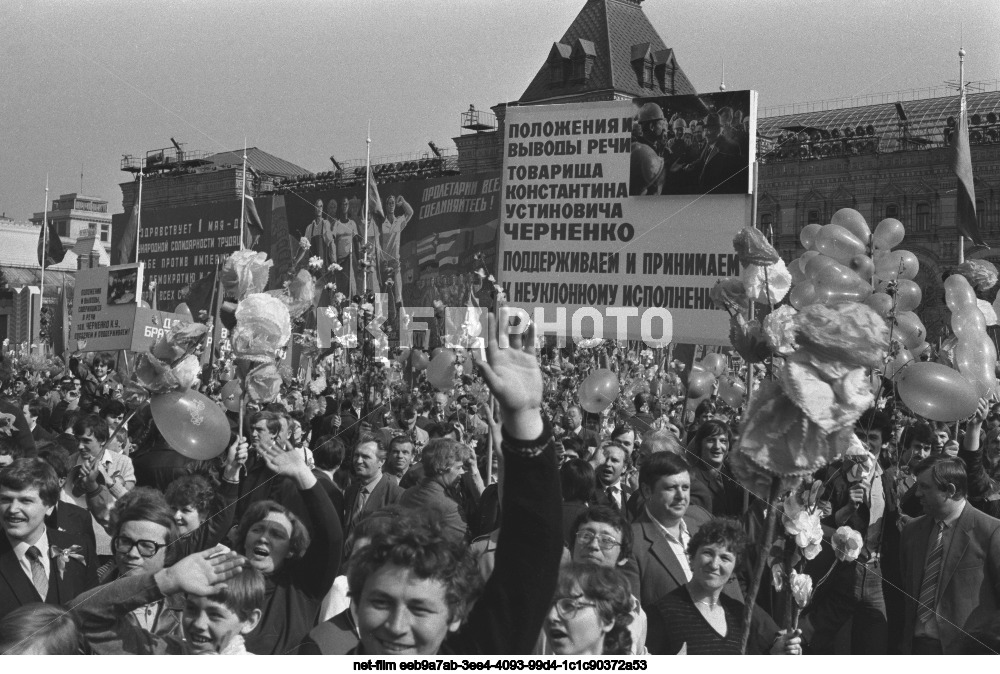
932, 573
38, 576
613, 497
359, 505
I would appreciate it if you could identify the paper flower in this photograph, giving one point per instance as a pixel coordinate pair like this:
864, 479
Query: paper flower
988, 312
298, 295
980, 273
186, 372
7, 426
847, 544
777, 577
804, 526
155, 375
858, 461
318, 385
316, 262
334, 267
779, 329
263, 326
753, 248
263, 383
849, 333
730, 294
801, 585
304, 243
775, 279
245, 272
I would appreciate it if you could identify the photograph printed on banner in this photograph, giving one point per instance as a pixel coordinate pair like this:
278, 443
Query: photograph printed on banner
690, 145
122, 285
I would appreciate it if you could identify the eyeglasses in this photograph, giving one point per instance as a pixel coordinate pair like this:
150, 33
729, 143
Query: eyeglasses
568, 607
605, 542
147, 549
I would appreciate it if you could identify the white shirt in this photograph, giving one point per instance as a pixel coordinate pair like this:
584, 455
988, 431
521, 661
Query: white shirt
20, 549
616, 489
677, 545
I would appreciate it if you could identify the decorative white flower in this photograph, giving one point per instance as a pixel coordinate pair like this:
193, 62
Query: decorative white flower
779, 329
331, 286
335, 267
803, 525
988, 312
858, 461
778, 282
304, 243
316, 262
777, 577
801, 585
847, 544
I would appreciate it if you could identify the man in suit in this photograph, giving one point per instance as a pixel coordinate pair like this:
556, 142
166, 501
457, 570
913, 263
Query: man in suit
575, 429
371, 489
720, 169
663, 530
950, 564
611, 490
37, 563
32, 411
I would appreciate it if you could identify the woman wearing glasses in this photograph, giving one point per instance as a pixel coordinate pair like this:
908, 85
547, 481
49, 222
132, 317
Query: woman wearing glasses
591, 612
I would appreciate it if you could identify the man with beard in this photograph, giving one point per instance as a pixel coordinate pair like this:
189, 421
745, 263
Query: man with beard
648, 171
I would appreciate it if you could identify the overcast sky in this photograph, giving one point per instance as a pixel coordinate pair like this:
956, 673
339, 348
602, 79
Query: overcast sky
85, 81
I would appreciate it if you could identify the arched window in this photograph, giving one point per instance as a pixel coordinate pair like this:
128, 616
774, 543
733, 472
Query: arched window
766, 222
923, 221
812, 217
892, 210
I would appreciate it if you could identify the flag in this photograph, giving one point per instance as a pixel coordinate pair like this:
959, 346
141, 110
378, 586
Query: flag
374, 200
125, 252
252, 227
965, 207
53, 247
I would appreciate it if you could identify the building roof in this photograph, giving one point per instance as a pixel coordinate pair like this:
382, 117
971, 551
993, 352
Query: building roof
926, 122
262, 162
609, 30
20, 248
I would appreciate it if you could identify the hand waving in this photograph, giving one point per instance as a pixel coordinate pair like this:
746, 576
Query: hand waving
204, 573
515, 379
291, 464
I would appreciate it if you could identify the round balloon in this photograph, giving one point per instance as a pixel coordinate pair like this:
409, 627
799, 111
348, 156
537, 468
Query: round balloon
863, 266
732, 392
837, 242
232, 394
937, 392
419, 360
816, 264
898, 362
837, 283
854, 222
880, 303
184, 311
896, 264
909, 329
700, 384
908, 295
599, 390
888, 234
192, 425
808, 235
803, 295
716, 363
441, 371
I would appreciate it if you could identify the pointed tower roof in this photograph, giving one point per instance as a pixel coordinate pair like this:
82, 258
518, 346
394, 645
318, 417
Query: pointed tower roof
609, 51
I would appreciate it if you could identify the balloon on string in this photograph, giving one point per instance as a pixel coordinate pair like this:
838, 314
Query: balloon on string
854, 222
968, 322
958, 293
700, 384
837, 283
908, 295
183, 310
837, 242
795, 269
880, 303
599, 390
897, 264
808, 235
898, 362
192, 425
978, 368
909, 329
441, 370
889, 233
863, 266
716, 363
803, 295
937, 392
403, 356
732, 392
817, 264
418, 360
231, 395
805, 257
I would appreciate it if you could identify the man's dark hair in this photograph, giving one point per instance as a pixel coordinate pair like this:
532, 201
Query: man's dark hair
70, 417
918, 432
243, 593
405, 412
93, 423
113, 408
328, 453
35, 408
271, 419
366, 438
573, 444
32, 473
612, 517
577, 479
946, 470
144, 504
401, 439
661, 464
58, 457
439, 455
873, 419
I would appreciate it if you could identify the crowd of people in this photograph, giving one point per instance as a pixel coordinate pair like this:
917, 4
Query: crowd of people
455, 523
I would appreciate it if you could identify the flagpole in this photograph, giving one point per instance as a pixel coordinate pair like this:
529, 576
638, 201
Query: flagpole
368, 174
45, 254
962, 115
243, 194
138, 218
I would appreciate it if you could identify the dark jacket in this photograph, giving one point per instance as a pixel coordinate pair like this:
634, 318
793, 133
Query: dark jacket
386, 492
16, 588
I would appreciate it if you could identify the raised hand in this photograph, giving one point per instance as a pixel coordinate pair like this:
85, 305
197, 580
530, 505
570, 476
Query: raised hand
236, 457
515, 379
291, 464
204, 573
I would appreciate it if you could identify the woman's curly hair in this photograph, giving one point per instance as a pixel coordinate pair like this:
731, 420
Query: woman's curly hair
198, 490
609, 589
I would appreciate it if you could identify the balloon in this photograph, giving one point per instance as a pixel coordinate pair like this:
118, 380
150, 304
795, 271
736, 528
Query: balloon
183, 310
700, 384
937, 392
898, 362
888, 234
837, 242
403, 356
732, 392
837, 283
968, 322
803, 295
909, 329
144, 304
441, 371
599, 390
958, 293
854, 222
805, 257
917, 352
795, 269
192, 425
863, 266
977, 367
880, 303
896, 264
231, 394
817, 264
419, 360
808, 235
716, 363
908, 295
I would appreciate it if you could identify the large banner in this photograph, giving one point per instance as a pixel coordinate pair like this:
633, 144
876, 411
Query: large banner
424, 235
618, 217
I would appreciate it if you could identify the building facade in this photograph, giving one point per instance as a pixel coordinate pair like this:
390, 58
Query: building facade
74, 215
